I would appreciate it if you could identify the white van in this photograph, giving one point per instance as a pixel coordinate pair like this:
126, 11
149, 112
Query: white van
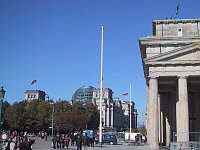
131, 137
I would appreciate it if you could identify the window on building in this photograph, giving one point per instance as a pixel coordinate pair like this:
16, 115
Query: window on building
180, 32
34, 96
29, 96
96, 95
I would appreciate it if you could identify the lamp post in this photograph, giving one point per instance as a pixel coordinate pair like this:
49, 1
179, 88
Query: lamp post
2, 93
52, 117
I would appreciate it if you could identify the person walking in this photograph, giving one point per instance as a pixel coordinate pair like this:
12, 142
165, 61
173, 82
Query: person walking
26, 145
67, 140
79, 142
13, 143
62, 141
72, 139
85, 141
46, 135
54, 142
58, 141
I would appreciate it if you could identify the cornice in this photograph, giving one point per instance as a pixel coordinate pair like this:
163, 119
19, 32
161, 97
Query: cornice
175, 21
153, 40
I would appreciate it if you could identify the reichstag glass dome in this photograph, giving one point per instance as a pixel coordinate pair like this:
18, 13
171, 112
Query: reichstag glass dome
83, 94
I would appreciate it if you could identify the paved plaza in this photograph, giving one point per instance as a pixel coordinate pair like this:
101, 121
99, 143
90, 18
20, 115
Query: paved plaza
41, 144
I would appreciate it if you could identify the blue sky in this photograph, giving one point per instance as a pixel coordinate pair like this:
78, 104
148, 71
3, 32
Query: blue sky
57, 42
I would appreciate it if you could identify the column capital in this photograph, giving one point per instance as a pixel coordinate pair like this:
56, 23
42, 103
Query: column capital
153, 77
182, 77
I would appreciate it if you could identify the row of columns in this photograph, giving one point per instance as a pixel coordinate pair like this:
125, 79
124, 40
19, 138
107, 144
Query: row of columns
182, 112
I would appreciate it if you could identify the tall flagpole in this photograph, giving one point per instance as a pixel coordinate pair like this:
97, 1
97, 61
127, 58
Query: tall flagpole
101, 93
130, 108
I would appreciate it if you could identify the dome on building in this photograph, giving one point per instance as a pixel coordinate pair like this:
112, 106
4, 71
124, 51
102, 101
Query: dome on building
83, 94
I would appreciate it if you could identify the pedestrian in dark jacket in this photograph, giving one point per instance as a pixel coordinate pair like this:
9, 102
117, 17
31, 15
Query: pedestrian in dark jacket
54, 142
26, 145
85, 141
72, 139
58, 141
79, 142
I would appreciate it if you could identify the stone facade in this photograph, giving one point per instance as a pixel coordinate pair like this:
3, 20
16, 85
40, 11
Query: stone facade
171, 62
34, 94
107, 105
115, 113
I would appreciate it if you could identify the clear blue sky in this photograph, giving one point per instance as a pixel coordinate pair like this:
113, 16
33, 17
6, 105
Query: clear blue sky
57, 42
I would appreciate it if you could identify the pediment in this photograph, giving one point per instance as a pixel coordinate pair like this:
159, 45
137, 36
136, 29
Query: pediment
187, 54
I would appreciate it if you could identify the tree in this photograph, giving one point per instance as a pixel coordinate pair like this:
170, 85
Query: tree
5, 106
142, 130
43, 116
92, 115
78, 107
69, 120
31, 111
62, 106
11, 116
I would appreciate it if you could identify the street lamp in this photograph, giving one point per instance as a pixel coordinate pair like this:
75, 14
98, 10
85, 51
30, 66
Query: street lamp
52, 116
2, 93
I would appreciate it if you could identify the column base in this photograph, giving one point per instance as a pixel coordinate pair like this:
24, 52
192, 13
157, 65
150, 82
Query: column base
154, 147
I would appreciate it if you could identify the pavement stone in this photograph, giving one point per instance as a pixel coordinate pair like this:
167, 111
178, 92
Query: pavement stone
41, 144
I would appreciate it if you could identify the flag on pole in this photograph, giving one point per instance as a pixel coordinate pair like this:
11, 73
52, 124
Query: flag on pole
102, 80
34, 82
177, 9
126, 94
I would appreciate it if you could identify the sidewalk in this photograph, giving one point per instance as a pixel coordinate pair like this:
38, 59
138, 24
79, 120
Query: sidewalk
41, 144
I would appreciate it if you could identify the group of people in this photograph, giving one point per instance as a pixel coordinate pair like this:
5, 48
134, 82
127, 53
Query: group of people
19, 143
61, 141
43, 135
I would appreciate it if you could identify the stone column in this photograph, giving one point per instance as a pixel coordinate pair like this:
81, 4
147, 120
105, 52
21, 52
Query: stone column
161, 128
153, 113
167, 132
147, 116
112, 116
159, 119
108, 116
182, 112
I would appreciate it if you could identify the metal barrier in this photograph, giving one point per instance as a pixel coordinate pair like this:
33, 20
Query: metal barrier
191, 145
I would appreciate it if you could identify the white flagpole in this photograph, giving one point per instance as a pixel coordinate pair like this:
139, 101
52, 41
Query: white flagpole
130, 108
101, 93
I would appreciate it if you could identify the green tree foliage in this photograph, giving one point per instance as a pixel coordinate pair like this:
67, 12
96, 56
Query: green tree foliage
5, 105
31, 110
43, 116
142, 130
62, 106
78, 107
36, 115
92, 115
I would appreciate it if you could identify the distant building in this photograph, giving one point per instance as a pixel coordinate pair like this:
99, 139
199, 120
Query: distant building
115, 114
34, 94
107, 105
126, 110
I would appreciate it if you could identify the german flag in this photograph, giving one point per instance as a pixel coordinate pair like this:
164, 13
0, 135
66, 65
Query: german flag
126, 94
34, 82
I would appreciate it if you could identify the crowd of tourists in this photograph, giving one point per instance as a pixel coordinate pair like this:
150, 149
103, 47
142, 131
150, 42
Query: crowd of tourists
62, 141
19, 142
